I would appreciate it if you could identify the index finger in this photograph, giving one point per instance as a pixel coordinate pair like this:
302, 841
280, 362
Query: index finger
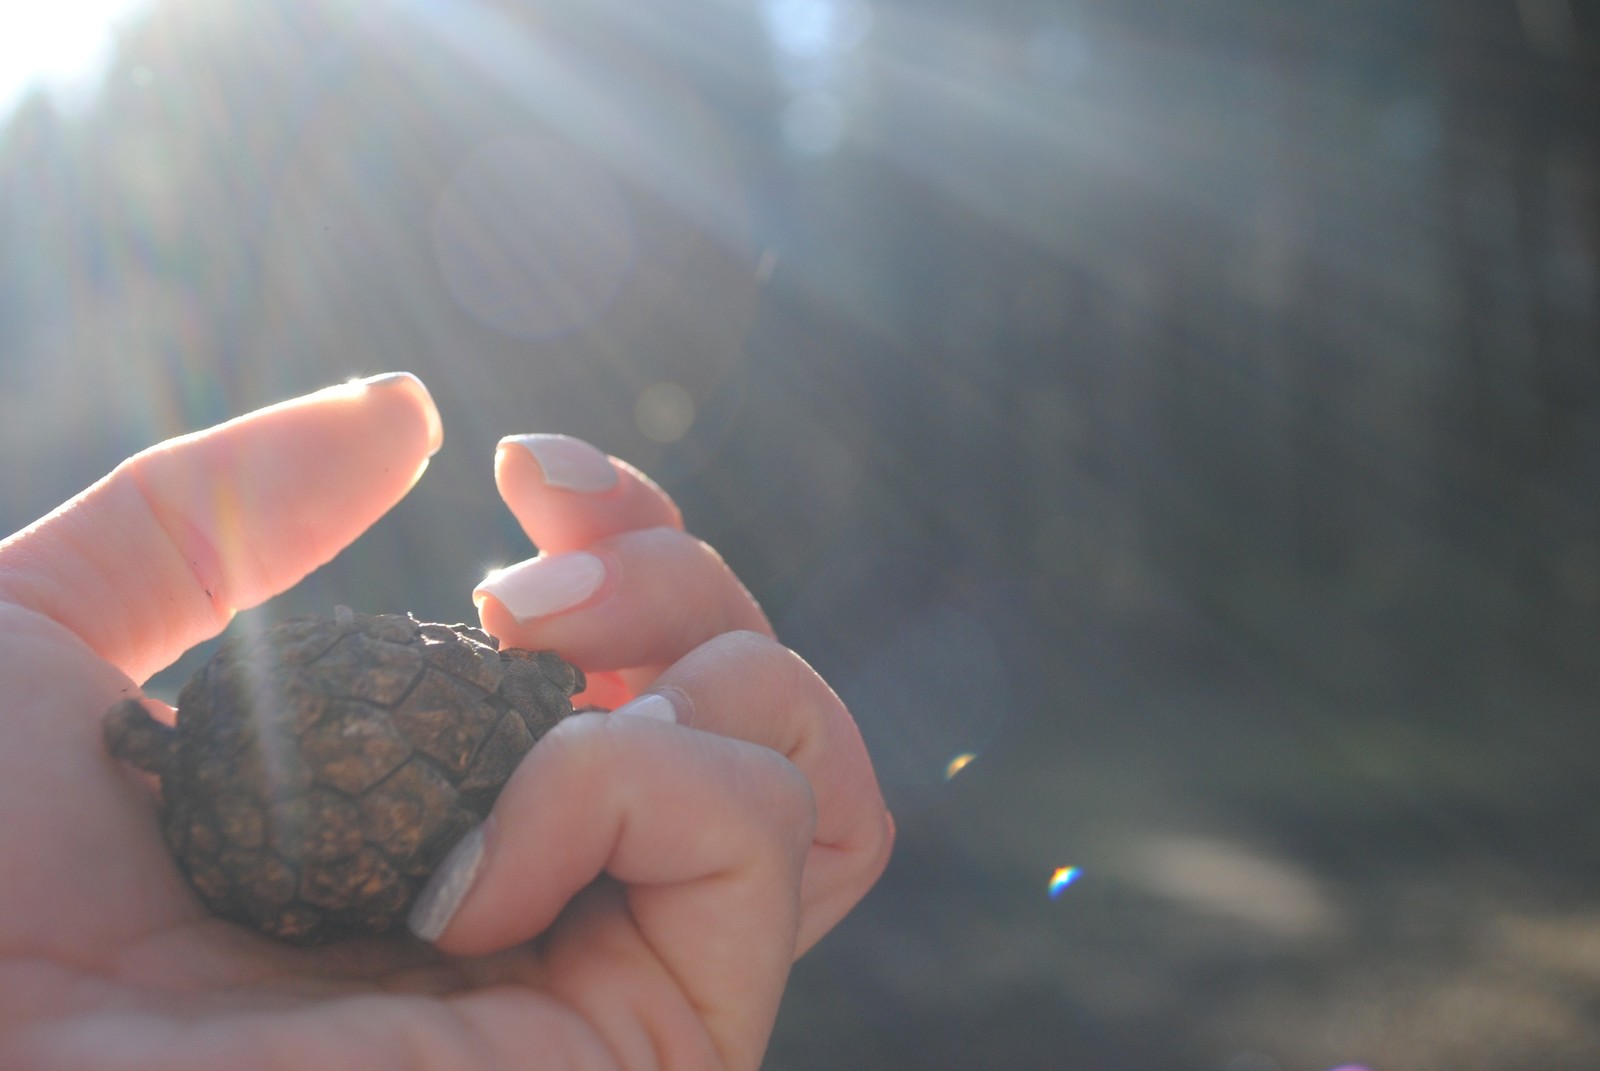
157, 556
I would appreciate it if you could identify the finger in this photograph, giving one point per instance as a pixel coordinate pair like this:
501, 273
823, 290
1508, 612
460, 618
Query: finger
158, 555
748, 686
638, 599
708, 834
567, 494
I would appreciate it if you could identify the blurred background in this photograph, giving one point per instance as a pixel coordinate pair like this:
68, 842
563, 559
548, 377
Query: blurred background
1174, 427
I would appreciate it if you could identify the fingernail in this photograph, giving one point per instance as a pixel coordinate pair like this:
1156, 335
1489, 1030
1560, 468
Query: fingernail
407, 381
442, 896
544, 585
649, 705
568, 463
389, 379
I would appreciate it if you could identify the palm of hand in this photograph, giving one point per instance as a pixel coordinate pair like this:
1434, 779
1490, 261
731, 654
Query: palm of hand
133, 975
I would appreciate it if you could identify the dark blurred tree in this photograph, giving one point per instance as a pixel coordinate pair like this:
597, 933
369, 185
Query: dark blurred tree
1521, 189
1524, 114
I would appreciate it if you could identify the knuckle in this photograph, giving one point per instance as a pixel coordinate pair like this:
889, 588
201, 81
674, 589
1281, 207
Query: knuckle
779, 665
583, 741
741, 643
790, 803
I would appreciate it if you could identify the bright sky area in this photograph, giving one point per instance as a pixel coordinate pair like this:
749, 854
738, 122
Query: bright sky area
62, 43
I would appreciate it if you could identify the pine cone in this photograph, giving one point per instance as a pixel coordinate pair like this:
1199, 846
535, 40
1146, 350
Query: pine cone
320, 771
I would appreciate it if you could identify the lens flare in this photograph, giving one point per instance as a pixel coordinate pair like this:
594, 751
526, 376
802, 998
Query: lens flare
1064, 876
958, 764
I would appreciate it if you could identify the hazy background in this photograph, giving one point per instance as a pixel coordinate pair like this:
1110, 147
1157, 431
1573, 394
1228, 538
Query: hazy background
1189, 409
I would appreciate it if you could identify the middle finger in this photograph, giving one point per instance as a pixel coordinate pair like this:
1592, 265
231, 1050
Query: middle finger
638, 600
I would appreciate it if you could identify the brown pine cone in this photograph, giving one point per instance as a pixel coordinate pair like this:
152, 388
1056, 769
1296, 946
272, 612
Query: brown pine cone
319, 771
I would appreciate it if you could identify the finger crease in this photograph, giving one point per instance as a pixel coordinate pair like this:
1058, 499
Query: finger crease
199, 554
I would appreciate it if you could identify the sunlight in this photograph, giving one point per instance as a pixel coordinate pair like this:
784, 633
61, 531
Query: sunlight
62, 44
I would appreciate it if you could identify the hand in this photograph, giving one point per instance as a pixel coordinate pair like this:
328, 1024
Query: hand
641, 886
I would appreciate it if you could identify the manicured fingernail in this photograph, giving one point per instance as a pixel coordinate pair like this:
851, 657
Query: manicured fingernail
442, 896
649, 705
389, 379
407, 381
544, 585
568, 463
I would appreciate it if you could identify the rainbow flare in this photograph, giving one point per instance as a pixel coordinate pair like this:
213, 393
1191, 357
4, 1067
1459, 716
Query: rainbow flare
1064, 876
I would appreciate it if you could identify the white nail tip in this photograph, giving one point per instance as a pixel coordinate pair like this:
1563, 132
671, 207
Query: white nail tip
442, 896
545, 585
388, 379
650, 705
568, 463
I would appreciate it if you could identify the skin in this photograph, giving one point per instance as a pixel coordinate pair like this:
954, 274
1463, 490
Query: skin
645, 885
